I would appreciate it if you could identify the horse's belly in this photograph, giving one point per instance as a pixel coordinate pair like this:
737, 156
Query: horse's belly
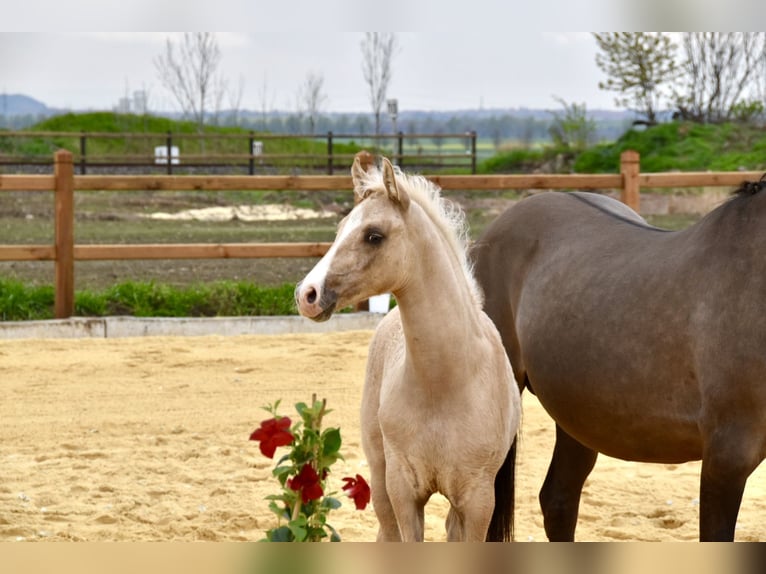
639, 426
617, 376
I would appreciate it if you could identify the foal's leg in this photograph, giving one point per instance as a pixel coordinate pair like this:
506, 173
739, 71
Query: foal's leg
730, 455
471, 511
376, 458
560, 495
389, 530
408, 505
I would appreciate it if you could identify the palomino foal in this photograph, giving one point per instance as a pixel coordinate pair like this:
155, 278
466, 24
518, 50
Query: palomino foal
440, 408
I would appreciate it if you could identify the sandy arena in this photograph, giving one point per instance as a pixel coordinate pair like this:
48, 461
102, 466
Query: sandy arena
147, 439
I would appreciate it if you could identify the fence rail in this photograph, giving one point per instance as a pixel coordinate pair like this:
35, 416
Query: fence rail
251, 152
63, 183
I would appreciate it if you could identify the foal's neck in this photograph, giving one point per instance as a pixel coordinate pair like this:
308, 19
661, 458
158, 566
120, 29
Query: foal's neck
439, 313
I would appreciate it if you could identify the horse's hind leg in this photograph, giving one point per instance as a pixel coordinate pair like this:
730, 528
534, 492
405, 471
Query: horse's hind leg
729, 457
570, 465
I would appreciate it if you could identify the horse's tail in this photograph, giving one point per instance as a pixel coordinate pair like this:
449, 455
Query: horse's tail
501, 525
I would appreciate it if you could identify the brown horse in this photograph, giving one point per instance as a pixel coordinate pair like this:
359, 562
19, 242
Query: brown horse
440, 408
642, 344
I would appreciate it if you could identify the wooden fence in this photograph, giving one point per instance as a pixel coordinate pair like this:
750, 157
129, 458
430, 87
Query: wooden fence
64, 183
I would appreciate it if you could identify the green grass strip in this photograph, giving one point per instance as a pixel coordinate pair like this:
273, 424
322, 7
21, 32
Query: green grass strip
19, 302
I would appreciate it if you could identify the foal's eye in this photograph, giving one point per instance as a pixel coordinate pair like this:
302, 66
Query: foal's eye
374, 238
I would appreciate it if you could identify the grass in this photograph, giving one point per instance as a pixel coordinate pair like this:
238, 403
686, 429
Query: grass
19, 302
681, 146
673, 146
154, 132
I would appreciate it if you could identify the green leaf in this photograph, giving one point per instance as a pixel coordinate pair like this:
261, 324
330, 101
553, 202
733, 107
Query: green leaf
282, 472
298, 528
281, 534
331, 503
279, 509
332, 441
334, 536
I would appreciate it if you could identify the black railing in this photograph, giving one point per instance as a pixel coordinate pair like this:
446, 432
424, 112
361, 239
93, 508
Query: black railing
248, 152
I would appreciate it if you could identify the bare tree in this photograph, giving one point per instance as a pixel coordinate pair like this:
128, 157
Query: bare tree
234, 99
266, 102
378, 50
190, 72
637, 64
722, 71
311, 98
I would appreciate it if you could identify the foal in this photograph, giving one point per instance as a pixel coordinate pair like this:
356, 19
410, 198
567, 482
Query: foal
440, 408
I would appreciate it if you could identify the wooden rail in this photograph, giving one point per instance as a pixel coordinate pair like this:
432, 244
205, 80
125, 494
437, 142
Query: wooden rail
63, 183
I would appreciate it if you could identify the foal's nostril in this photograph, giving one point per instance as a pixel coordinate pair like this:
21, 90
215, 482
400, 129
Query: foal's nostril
311, 295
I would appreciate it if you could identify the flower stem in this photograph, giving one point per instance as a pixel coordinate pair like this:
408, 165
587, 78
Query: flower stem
296, 509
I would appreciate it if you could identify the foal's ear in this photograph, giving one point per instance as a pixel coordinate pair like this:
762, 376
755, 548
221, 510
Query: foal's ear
357, 174
389, 181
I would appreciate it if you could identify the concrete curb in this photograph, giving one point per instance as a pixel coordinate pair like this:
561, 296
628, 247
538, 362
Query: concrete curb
114, 327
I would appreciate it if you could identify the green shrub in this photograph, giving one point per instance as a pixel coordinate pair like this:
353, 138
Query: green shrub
148, 299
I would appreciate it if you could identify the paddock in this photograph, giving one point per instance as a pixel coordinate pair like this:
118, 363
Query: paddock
146, 438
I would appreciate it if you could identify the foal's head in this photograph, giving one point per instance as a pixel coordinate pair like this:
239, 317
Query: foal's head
371, 252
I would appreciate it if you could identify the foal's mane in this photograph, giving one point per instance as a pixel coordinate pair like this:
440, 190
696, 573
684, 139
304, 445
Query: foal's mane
447, 217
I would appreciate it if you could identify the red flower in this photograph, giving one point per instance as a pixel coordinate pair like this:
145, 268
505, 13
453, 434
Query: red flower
358, 489
273, 433
307, 483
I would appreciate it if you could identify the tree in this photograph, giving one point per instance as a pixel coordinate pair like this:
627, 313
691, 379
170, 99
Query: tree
573, 130
638, 65
235, 102
722, 71
378, 50
311, 98
190, 73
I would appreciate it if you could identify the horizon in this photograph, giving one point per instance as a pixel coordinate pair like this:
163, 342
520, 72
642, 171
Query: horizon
277, 111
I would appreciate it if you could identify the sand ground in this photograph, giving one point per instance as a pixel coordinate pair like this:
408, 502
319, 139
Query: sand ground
147, 439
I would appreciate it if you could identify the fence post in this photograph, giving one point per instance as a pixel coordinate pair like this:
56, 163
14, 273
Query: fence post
630, 168
64, 232
473, 152
329, 153
251, 163
169, 145
83, 152
400, 149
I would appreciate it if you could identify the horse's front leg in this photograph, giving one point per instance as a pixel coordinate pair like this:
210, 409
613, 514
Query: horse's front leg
408, 505
388, 530
571, 464
471, 512
730, 456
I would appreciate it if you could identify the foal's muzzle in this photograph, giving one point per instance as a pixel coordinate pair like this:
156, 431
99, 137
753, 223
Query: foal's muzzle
314, 302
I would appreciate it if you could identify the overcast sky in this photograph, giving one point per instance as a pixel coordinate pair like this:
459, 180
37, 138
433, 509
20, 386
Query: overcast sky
431, 71
476, 53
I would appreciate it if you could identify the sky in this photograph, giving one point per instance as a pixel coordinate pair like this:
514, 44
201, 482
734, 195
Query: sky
431, 71
476, 53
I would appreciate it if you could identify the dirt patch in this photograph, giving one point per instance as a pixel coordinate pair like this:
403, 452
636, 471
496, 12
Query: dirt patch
269, 212
147, 439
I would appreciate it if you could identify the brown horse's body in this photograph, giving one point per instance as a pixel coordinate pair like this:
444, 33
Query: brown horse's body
641, 344
440, 409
